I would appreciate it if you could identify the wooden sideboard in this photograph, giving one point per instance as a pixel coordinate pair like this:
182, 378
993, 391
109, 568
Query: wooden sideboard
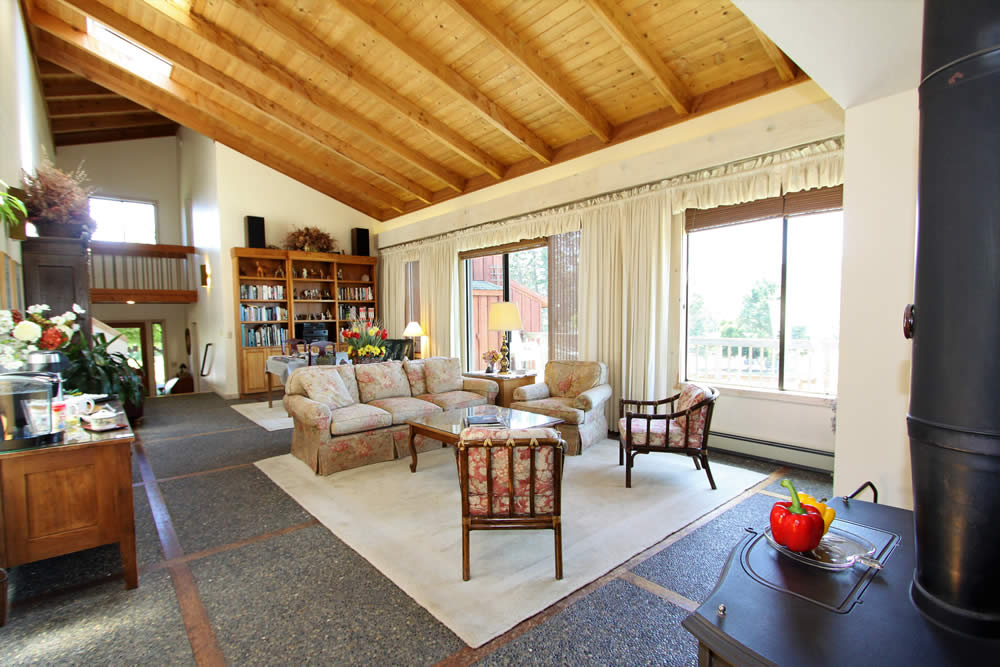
63, 498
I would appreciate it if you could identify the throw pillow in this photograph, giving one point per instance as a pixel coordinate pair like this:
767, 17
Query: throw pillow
324, 385
383, 380
443, 375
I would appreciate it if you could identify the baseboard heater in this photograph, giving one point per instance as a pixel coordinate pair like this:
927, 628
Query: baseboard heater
799, 462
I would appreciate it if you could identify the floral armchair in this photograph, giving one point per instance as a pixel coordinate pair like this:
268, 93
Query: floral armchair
576, 392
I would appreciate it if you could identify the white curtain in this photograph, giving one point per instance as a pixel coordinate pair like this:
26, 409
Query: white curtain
392, 290
623, 293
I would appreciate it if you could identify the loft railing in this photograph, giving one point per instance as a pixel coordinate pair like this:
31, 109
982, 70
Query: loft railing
141, 273
810, 365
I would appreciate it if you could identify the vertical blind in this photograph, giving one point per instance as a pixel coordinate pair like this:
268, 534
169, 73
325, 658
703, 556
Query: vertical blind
564, 270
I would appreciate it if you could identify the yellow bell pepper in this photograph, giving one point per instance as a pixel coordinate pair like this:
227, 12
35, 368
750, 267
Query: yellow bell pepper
828, 513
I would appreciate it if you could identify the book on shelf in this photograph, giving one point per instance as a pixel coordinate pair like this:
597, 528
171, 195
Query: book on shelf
262, 313
364, 313
263, 292
268, 335
355, 293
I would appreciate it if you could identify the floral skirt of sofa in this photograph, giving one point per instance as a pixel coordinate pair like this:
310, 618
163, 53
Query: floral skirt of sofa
330, 454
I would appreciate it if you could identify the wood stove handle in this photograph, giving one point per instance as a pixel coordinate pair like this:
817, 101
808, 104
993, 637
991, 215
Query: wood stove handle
908, 315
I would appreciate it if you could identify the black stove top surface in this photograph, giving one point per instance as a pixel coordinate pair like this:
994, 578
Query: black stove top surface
784, 612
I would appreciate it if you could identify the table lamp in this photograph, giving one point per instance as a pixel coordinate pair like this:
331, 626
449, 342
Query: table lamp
505, 317
413, 330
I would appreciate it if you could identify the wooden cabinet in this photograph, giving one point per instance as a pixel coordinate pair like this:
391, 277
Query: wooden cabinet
252, 363
60, 499
279, 291
56, 273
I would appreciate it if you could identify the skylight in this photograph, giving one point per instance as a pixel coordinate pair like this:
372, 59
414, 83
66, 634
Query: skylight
130, 55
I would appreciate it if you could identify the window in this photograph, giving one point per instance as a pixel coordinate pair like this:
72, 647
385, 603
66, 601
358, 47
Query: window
123, 220
763, 292
129, 54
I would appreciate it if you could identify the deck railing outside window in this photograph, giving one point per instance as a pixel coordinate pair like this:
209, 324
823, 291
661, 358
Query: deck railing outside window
143, 273
810, 365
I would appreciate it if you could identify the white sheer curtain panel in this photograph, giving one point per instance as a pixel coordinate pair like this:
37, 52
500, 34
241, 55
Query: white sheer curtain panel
623, 294
392, 290
439, 302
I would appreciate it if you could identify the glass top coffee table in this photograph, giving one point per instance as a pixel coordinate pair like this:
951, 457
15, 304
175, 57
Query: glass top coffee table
446, 426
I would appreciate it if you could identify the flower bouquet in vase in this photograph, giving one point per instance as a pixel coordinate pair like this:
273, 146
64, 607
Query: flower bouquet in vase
491, 357
366, 341
22, 334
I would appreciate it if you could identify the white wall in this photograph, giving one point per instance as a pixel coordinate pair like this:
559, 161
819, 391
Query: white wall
200, 219
880, 198
143, 169
25, 124
224, 187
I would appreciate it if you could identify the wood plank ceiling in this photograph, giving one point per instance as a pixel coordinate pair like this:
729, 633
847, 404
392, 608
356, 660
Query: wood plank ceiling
391, 106
82, 112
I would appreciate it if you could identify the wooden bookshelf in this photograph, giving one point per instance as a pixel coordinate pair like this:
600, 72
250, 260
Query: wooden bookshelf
256, 270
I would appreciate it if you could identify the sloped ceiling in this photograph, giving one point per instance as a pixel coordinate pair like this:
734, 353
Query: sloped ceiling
391, 106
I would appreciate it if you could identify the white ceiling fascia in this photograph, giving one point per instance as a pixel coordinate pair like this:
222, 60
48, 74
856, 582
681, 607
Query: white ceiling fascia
856, 50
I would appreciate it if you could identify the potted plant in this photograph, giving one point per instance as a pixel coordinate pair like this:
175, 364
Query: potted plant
310, 239
93, 369
12, 213
57, 203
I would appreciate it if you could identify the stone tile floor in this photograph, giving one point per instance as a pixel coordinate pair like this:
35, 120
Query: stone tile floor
255, 580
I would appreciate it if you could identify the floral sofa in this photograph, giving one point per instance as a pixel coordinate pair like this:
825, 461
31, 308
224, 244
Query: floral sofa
349, 416
574, 391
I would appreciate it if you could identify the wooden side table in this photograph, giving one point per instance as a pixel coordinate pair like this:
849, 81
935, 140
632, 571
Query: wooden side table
508, 383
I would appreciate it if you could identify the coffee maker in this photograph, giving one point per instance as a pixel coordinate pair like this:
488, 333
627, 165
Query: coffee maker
26, 409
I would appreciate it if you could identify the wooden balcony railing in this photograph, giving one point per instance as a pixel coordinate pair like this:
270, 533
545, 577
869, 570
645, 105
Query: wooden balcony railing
141, 273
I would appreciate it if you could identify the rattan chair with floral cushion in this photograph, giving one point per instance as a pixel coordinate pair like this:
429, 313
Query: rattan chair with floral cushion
684, 430
485, 458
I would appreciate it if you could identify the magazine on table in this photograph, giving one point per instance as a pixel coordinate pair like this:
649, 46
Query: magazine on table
485, 420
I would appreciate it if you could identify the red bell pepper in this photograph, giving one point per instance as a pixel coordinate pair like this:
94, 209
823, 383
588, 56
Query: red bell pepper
795, 526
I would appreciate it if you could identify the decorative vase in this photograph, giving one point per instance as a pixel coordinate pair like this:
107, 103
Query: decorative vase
367, 360
489, 368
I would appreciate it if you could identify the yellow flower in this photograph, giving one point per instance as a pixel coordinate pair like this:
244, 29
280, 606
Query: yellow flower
373, 331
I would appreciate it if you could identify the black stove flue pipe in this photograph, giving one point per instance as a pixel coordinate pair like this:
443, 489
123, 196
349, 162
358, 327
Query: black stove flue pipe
954, 417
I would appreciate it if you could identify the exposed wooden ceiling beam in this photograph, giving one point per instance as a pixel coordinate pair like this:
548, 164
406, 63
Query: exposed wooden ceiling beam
70, 108
449, 78
164, 129
785, 67
527, 59
720, 98
619, 25
175, 102
315, 47
322, 100
230, 86
49, 70
106, 122
63, 88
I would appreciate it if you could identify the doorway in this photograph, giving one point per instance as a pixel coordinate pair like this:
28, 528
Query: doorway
139, 351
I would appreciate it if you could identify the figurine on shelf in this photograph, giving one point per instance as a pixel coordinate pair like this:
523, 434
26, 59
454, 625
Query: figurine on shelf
260, 270
327, 315
279, 272
366, 278
340, 274
305, 273
326, 294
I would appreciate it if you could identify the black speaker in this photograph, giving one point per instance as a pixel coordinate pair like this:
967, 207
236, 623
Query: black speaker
359, 242
255, 232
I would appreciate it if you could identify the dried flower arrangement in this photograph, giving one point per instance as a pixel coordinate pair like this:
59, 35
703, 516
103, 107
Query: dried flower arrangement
58, 203
310, 239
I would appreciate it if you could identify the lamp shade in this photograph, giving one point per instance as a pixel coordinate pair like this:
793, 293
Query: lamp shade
412, 330
504, 316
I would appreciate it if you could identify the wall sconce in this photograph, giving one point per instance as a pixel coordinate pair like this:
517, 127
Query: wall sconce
204, 275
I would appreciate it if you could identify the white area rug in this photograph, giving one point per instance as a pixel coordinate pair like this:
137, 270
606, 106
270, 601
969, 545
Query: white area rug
408, 525
273, 419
